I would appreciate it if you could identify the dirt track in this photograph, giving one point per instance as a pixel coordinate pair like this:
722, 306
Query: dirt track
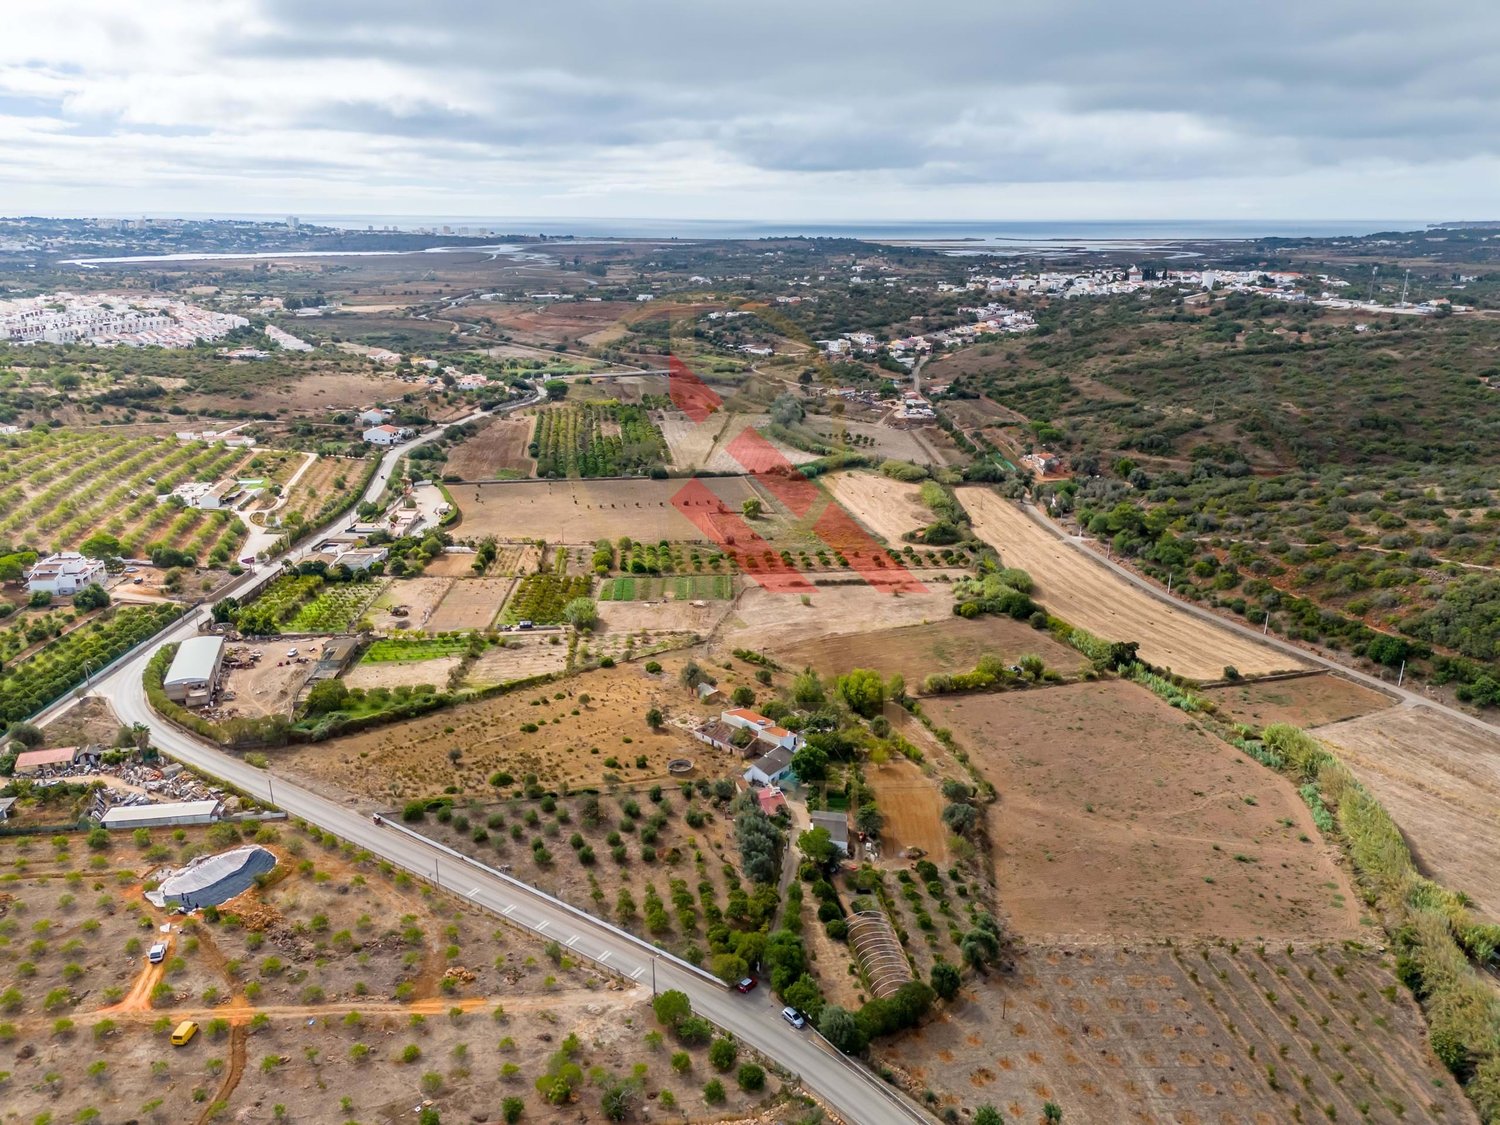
1088, 595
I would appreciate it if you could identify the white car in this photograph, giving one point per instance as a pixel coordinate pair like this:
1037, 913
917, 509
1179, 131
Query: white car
157, 953
793, 1017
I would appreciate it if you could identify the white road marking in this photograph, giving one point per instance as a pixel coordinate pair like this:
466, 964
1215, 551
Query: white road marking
572, 941
473, 891
637, 974
508, 909
542, 925
604, 956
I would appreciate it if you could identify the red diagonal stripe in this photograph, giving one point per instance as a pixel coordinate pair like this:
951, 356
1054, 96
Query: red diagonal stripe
735, 537
690, 394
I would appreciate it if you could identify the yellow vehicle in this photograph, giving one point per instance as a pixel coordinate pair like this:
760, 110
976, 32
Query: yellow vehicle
184, 1032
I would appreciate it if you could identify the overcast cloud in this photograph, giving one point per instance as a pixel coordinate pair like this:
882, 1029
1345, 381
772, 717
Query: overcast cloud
777, 110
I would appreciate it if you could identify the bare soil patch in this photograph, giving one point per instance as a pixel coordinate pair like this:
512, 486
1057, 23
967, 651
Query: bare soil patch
419, 596
1085, 593
1119, 815
455, 565
954, 644
583, 511
912, 807
772, 620
1440, 779
887, 507
498, 449
1115, 1033
269, 686
662, 617
401, 673
1307, 701
470, 603
520, 659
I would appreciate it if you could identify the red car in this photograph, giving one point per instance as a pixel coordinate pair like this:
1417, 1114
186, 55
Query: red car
745, 985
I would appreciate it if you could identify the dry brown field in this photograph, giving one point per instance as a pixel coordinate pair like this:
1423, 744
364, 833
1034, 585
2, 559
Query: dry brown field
396, 763
520, 659
450, 565
772, 620
887, 507
557, 323
470, 603
498, 449
1306, 701
582, 511
1085, 593
953, 644
1120, 816
420, 596
1233, 1034
1439, 778
661, 617
308, 993
327, 389
401, 673
705, 445
912, 808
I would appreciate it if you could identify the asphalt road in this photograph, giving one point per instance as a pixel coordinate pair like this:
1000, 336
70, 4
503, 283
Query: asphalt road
845, 1087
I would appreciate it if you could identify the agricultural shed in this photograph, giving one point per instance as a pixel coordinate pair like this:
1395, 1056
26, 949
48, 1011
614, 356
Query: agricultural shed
194, 670
131, 817
6, 804
33, 760
837, 824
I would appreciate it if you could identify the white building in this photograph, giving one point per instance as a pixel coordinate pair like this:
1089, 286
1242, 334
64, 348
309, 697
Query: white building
221, 495
771, 768
64, 573
385, 435
765, 730
374, 417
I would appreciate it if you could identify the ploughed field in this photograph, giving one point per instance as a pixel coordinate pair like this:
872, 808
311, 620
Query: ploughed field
1439, 778
1084, 592
1118, 815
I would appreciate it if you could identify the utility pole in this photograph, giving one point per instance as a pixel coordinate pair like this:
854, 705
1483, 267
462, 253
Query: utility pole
1401, 675
653, 974
1266, 628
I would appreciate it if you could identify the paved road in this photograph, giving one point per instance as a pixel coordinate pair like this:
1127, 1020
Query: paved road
1406, 697
848, 1089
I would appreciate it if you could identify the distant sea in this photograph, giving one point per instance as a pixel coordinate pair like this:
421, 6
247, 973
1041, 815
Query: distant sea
982, 231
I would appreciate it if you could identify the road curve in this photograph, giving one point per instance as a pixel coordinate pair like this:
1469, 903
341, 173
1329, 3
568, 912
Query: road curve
845, 1087
1405, 696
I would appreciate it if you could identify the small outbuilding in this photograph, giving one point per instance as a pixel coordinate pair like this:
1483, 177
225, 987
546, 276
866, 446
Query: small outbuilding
34, 761
131, 817
6, 804
837, 825
194, 671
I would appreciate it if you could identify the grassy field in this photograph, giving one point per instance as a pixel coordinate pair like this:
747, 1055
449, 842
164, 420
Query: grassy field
684, 588
410, 649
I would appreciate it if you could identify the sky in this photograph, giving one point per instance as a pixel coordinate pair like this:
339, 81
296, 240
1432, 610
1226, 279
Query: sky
816, 110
